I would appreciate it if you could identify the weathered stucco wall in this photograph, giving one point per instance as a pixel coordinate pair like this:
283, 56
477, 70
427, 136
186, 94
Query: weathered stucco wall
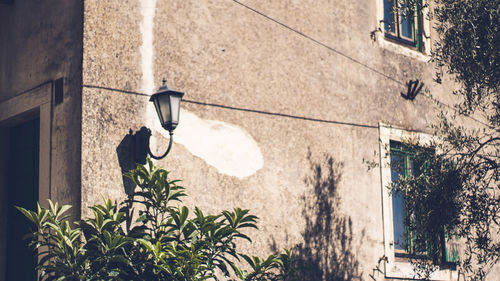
41, 41
307, 97
40, 50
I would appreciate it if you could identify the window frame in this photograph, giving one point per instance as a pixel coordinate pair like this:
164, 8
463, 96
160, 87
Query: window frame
391, 42
415, 21
399, 267
409, 168
406, 156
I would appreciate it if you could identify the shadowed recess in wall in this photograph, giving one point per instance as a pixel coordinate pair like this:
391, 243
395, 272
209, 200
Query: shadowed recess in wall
327, 253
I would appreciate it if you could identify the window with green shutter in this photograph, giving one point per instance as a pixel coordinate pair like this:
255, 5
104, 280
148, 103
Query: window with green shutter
403, 164
403, 23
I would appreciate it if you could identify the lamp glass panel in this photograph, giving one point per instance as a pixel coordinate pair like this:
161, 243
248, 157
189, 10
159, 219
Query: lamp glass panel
164, 103
158, 111
175, 101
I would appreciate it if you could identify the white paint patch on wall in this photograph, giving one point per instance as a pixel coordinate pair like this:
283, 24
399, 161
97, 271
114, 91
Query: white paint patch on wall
228, 148
148, 11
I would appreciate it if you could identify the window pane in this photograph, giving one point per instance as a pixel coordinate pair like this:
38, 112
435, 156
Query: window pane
398, 217
389, 15
398, 211
406, 22
397, 166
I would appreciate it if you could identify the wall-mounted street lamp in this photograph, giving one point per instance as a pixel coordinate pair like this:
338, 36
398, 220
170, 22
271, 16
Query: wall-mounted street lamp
167, 103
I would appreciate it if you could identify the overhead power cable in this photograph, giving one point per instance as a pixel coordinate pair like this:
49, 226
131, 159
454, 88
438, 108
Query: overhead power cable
243, 109
351, 58
320, 43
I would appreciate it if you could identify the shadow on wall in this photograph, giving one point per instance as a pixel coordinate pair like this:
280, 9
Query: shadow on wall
327, 251
131, 150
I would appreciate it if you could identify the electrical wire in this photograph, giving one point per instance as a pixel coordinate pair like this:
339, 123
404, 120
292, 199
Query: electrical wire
242, 109
351, 59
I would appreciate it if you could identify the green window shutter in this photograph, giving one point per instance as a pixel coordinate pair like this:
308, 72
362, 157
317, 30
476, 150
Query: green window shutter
451, 249
402, 164
418, 28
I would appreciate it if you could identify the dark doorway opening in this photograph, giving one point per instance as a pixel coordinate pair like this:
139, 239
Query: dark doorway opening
22, 190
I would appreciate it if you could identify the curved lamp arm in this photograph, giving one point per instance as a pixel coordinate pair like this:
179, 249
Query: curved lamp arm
166, 152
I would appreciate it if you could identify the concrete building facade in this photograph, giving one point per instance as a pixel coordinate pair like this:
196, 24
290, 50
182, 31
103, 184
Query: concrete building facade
286, 105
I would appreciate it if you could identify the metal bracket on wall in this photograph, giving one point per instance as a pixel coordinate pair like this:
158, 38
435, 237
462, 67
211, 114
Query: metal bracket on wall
58, 91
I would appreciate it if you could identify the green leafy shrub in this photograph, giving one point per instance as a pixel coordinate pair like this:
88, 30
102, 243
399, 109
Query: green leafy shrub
162, 242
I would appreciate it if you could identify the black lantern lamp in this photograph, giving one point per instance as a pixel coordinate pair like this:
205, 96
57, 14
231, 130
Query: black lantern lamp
167, 103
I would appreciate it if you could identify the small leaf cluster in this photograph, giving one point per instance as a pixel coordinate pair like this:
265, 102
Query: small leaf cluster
149, 238
59, 246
